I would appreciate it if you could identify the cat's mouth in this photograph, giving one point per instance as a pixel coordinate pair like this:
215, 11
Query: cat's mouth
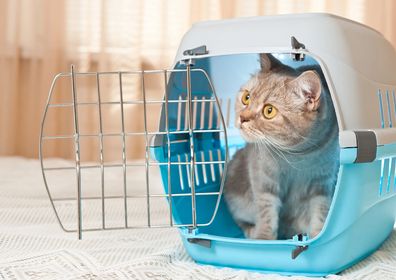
248, 134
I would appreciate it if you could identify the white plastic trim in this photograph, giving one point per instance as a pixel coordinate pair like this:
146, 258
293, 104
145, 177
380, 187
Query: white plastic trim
384, 136
347, 139
354, 75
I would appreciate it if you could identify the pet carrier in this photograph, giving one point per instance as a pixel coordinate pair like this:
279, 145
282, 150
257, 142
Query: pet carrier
196, 138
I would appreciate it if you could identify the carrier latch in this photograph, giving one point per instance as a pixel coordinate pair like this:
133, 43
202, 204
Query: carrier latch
366, 144
300, 248
201, 50
296, 46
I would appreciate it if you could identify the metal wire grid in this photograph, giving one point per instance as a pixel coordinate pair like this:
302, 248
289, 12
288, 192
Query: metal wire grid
190, 120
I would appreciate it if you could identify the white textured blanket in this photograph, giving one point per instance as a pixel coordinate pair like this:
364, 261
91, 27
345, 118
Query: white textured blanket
32, 245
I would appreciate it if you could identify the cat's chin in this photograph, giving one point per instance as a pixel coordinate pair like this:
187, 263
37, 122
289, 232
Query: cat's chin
248, 138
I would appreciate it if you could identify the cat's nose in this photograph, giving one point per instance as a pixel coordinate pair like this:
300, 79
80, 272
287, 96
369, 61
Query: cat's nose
244, 119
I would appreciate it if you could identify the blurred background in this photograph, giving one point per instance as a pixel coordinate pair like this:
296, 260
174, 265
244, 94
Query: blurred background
43, 37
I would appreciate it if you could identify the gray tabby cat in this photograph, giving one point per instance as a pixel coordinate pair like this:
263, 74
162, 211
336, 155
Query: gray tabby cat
282, 182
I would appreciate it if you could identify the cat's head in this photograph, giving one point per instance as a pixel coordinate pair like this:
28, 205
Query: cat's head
278, 106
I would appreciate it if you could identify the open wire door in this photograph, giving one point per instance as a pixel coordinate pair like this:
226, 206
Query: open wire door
141, 153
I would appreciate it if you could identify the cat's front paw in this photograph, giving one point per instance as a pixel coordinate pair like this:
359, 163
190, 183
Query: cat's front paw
313, 233
248, 229
256, 233
265, 235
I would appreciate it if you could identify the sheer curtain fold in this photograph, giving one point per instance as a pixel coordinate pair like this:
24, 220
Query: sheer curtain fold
31, 52
41, 38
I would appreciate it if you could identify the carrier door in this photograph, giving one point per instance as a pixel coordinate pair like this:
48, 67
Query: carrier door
144, 149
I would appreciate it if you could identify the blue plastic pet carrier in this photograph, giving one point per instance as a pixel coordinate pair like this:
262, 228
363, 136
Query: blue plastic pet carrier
217, 57
196, 138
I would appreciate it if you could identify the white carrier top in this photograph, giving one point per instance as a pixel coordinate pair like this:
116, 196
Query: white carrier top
358, 62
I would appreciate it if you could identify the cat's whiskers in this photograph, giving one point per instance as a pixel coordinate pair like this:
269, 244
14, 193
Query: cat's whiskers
286, 149
279, 152
271, 147
270, 151
281, 147
282, 155
294, 151
310, 140
260, 143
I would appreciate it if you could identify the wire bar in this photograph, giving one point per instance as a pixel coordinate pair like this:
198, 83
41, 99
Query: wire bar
134, 134
168, 141
123, 152
138, 196
218, 119
192, 154
101, 152
77, 152
135, 227
137, 72
147, 152
181, 163
132, 102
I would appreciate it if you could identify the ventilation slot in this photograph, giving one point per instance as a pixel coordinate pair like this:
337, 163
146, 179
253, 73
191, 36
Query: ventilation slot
387, 110
387, 106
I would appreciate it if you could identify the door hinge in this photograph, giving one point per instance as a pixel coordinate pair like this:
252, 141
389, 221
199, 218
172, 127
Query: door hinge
201, 50
297, 46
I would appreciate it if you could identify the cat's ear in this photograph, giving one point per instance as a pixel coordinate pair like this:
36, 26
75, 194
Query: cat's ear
309, 87
269, 62
265, 63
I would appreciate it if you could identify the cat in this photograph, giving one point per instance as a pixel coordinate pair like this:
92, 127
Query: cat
282, 182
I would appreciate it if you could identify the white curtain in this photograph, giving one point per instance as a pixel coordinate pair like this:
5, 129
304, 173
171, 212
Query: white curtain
41, 38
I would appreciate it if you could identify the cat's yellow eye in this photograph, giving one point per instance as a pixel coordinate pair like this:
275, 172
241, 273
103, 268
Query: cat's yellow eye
269, 111
245, 97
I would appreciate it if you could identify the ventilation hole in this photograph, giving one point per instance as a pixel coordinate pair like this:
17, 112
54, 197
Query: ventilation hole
179, 109
196, 174
394, 174
188, 171
391, 175
218, 114
389, 108
381, 177
203, 106
212, 171
381, 109
181, 177
194, 113
186, 116
220, 165
205, 176
389, 165
394, 103
210, 122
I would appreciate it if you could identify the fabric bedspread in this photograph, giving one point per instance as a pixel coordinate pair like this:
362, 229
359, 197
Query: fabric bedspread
33, 246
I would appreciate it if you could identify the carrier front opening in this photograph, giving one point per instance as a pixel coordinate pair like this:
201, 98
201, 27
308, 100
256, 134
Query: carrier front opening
209, 125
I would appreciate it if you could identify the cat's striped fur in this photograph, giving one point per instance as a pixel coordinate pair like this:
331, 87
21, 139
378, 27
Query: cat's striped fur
282, 182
